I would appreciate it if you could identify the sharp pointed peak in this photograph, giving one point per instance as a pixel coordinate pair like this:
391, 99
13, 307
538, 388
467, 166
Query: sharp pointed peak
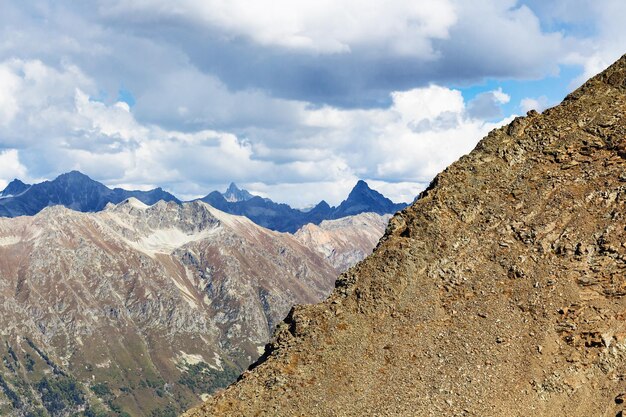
361, 184
233, 187
235, 194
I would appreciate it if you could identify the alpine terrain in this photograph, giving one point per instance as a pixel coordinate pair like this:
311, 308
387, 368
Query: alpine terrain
143, 310
500, 292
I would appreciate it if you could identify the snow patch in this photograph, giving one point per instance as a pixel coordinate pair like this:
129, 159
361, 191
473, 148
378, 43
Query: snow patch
168, 240
10, 240
230, 220
132, 201
189, 298
218, 362
105, 364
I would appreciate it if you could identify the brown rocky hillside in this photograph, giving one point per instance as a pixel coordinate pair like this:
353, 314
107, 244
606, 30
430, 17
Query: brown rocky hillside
500, 292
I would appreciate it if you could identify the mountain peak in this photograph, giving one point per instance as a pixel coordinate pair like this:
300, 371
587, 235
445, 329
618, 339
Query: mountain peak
73, 176
364, 199
234, 194
14, 188
361, 187
361, 184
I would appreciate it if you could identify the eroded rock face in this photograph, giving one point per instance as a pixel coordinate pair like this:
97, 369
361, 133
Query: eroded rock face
501, 291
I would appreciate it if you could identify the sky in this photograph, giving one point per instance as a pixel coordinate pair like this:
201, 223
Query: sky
292, 99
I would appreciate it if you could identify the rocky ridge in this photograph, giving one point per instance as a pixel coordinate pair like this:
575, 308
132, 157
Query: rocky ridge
500, 291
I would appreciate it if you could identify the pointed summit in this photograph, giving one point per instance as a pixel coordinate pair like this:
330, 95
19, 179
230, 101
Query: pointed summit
234, 194
14, 188
363, 199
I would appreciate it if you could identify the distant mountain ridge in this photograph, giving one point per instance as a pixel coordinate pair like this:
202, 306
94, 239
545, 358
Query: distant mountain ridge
78, 192
14, 188
73, 190
283, 218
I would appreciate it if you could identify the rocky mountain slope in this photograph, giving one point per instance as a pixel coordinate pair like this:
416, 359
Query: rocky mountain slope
140, 309
346, 241
73, 190
501, 291
283, 218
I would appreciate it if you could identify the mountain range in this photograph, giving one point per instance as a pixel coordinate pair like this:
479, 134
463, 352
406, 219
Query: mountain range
143, 310
73, 190
283, 218
77, 191
501, 291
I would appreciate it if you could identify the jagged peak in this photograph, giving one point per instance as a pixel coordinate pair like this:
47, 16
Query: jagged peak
235, 194
233, 187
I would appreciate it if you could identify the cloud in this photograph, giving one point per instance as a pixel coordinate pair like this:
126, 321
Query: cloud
487, 105
539, 104
596, 32
10, 167
407, 143
423, 130
278, 96
9, 83
317, 26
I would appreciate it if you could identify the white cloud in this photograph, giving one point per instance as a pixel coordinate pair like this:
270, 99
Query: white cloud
9, 84
322, 152
10, 167
528, 103
240, 90
487, 105
423, 131
320, 26
500, 96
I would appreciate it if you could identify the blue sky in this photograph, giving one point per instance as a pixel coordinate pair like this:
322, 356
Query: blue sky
294, 100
